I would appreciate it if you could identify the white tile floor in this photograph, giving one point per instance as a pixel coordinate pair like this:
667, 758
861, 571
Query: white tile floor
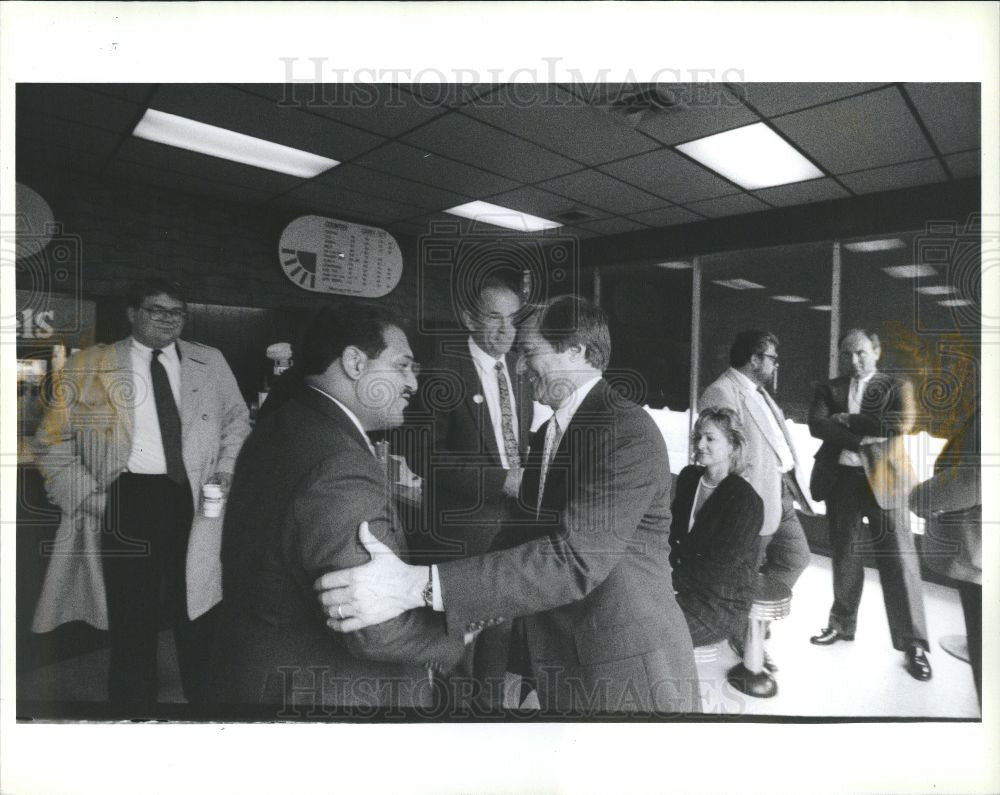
862, 678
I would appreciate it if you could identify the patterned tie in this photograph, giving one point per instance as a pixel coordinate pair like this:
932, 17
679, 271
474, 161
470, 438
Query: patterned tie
777, 416
170, 420
551, 440
507, 419
854, 397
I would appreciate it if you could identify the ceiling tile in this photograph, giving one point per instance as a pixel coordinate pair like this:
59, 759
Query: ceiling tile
668, 216
217, 169
380, 183
472, 142
671, 176
543, 203
132, 92
64, 101
699, 110
964, 164
449, 95
773, 99
907, 175
416, 164
254, 115
47, 130
34, 155
600, 190
815, 190
186, 183
951, 113
383, 108
352, 203
875, 129
729, 205
549, 115
611, 226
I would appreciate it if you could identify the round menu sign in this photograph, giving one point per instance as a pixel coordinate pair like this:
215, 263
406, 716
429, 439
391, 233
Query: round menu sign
325, 255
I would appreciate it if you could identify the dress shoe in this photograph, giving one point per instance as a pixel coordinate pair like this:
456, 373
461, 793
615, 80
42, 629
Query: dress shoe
829, 636
917, 664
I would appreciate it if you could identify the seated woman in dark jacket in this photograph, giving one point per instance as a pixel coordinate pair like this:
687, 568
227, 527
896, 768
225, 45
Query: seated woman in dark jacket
717, 516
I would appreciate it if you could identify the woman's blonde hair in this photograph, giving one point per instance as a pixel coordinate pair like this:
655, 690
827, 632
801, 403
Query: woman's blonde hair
725, 419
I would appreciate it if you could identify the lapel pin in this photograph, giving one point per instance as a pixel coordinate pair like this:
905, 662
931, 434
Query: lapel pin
477, 398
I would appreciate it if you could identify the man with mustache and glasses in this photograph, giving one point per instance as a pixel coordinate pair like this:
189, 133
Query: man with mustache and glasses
307, 476
134, 431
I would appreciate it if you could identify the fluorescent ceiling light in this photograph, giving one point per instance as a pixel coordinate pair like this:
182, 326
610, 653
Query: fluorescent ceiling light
753, 157
910, 271
166, 128
868, 246
503, 216
790, 299
674, 266
936, 289
739, 284
956, 302
822, 307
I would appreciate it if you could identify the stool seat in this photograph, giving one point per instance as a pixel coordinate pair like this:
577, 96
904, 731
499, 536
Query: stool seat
706, 654
772, 601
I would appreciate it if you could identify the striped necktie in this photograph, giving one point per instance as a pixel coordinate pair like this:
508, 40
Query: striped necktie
507, 419
551, 441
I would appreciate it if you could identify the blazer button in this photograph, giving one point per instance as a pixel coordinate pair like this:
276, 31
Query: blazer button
204, 416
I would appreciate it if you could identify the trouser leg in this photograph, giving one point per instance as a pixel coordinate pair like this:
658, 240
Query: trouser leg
787, 554
899, 573
134, 559
971, 595
845, 507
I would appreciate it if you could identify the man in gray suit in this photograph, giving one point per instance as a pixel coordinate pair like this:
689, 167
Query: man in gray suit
773, 465
134, 431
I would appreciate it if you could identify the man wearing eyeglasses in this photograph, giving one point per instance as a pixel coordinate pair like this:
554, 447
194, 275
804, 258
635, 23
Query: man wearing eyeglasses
134, 431
773, 465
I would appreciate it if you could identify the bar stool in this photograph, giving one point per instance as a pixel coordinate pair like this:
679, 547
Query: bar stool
772, 601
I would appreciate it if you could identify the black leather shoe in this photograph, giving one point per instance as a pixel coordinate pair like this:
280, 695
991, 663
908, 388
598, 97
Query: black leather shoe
917, 664
829, 636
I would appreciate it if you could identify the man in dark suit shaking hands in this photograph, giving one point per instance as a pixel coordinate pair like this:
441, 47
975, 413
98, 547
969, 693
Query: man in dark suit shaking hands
589, 582
862, 470
306, 478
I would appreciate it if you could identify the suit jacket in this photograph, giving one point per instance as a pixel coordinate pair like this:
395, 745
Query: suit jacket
876, 433
304, 482
460, 462
761, 445
83, 444
590, 577
716, 559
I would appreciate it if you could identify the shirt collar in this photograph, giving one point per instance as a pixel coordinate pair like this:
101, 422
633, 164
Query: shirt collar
564, 414
350, 414
482, 358
171, 350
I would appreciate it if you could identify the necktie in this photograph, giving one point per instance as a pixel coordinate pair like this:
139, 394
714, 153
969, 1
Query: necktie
507, 419
170, 420
551, 440
854, 397
777, 416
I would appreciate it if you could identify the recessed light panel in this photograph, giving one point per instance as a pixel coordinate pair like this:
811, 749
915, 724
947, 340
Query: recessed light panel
868, 246
674, 266
822, 307
910, 271
956, 302
936, 289
753, 157
503, 216
790, 299
196, 136
738, 284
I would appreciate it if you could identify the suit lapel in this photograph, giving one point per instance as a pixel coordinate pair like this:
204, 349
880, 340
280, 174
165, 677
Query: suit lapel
754, 409
478, 410
194, 375
117, 367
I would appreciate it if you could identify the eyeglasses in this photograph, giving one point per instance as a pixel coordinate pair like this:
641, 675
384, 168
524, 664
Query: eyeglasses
772, 356
162, 313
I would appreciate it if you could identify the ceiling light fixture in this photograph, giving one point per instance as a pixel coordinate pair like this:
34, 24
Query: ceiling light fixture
790, 299
910, 271
738, 284
196, 136
753, 157
936, 289
503, 216
822, 307
675, 266
956, 302
868, 246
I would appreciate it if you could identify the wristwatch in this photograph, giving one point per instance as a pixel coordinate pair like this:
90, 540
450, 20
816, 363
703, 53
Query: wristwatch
429, 589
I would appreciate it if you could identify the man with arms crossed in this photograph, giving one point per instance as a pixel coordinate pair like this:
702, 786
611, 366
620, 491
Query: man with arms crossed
591, 588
